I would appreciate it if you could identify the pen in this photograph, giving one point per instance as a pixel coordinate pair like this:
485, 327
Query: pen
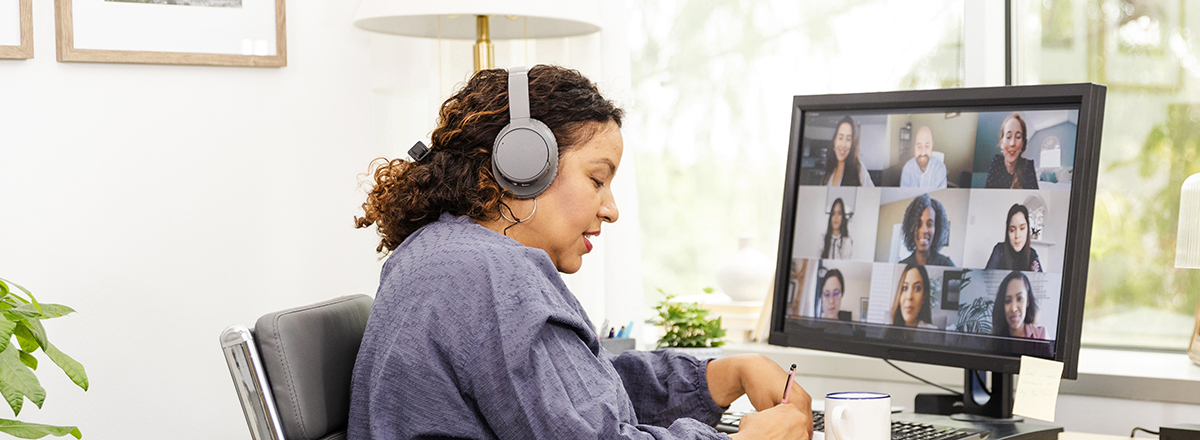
787, 388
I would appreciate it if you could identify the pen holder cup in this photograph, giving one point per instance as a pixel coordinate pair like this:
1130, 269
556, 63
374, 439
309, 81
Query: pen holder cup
617, 345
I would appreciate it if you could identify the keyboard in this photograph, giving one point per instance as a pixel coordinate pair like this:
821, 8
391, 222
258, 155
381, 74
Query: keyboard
901, 430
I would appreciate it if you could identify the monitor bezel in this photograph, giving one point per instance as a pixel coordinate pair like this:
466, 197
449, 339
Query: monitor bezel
1090, 100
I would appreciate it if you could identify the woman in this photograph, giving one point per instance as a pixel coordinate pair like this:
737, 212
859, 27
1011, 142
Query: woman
842, 165
830, 296
473, 333
838, 244
1008, 169
1015, 310
1015, 253
924, 229
911, 307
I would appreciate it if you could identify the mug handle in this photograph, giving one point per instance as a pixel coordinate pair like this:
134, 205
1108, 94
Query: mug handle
834, 424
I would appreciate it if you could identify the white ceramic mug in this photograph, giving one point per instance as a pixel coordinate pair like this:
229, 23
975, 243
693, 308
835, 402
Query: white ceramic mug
858, 416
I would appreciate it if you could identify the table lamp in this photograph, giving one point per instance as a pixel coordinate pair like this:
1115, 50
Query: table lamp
480, 20
1187, 246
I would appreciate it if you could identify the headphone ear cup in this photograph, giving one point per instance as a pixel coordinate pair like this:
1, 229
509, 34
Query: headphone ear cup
525, 153
525, 158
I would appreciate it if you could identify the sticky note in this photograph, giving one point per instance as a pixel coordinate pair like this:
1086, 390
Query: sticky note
1037, 388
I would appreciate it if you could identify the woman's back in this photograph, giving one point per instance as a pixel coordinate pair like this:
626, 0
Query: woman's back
459, 311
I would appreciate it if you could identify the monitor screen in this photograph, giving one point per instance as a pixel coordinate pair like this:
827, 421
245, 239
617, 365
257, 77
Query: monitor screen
943, 226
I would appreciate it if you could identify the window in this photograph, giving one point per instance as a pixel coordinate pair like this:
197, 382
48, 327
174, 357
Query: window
1145, 53
714, 83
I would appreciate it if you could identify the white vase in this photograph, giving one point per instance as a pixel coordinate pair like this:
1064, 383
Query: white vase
747, 274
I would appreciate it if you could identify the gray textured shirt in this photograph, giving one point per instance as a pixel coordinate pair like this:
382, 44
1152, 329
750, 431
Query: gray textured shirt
473, 335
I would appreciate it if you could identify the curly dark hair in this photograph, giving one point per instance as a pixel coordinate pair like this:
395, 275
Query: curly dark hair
456, 177
999, 319
912, 221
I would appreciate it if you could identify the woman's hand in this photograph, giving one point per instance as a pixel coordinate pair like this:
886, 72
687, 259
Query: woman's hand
783, 421
760, 379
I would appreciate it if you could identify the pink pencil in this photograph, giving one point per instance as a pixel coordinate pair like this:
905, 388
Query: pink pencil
787, 389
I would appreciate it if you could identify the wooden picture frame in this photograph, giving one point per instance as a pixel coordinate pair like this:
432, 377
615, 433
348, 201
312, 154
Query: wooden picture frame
24, 50
68, 21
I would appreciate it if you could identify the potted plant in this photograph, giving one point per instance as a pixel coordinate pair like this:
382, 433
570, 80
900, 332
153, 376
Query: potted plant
23, 323
687, 327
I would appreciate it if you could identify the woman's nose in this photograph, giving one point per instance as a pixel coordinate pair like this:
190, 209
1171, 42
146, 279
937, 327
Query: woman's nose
608, 209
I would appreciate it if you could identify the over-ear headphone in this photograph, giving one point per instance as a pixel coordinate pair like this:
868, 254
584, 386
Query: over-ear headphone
525, 154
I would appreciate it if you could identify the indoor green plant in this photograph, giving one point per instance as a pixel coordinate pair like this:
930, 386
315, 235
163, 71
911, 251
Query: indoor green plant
23, 322
686, 324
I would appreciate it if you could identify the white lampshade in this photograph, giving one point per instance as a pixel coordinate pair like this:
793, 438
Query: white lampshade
546, 18
1187, 241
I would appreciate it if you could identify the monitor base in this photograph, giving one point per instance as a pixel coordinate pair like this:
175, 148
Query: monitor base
1001, 430
985, 419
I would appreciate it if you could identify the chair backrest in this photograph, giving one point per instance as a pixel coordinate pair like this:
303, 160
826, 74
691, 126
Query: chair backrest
300, 360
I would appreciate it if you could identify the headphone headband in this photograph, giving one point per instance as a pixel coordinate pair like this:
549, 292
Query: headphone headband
518, 93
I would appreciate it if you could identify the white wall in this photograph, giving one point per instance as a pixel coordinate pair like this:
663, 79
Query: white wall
165, 203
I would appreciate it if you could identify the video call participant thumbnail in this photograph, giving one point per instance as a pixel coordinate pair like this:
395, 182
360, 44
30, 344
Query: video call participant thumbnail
837, 242
829, 297
1008, 169
925, 229
1015, 252
842, 164
1015, 309
924, 170
911, 306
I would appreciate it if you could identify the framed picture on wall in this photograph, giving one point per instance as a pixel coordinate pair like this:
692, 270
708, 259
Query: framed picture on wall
249, 33
16, 29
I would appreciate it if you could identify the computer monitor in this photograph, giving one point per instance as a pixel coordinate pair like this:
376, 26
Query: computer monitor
947, 227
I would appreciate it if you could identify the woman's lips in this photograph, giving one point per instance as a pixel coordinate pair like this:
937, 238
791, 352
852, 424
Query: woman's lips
588, 243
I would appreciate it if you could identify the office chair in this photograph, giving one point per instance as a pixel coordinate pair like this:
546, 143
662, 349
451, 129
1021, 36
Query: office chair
292, 371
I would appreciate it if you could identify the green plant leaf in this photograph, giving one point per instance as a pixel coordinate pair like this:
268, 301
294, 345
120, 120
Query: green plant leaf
18, 313
25, 338
3, 288
37, 331
27, 292
46, 311
15, 374
14, 398
6, 332
19, 429
73, 368
28, 359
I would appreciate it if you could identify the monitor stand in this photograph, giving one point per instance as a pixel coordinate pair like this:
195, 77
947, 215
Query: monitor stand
989, 410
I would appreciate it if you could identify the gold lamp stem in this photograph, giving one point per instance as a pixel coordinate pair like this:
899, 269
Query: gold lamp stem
484, 55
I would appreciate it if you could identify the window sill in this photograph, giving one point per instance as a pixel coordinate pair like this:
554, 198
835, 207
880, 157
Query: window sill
1118, 374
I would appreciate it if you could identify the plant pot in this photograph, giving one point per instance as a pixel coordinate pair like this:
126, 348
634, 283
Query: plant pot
700, 353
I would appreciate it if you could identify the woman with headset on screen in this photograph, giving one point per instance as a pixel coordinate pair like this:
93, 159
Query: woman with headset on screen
473, 333
842, 165
1008, 169
1015, 252
1015, 309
